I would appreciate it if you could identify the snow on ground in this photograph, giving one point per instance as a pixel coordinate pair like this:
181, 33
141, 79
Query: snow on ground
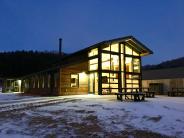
96, 116
11, 96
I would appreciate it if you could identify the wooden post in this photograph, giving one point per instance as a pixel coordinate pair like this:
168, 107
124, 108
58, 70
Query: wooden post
99, 71
119, 73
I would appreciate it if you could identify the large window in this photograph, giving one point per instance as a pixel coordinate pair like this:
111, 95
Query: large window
110, 62
113, 56
109, 83
132, 64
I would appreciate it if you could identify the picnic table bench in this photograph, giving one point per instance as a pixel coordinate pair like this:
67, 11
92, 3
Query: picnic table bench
148, 93
136, 96
176, 92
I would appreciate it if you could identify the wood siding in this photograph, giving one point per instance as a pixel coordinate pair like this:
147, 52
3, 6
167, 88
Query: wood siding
42, 84
65, 80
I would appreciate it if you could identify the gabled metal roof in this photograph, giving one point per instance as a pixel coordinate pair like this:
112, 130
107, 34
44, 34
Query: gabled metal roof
127, 39
132, 41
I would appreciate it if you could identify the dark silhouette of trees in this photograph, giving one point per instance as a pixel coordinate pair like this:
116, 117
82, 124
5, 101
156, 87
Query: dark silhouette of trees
179, 62
20, 63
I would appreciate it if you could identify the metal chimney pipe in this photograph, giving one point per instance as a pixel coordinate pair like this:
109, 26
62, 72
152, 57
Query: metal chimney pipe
60, 46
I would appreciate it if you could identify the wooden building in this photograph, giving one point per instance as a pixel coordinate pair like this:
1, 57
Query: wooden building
103, 68
163, 80
10, 85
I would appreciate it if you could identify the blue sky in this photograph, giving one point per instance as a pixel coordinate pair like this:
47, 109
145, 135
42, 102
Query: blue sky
37, 24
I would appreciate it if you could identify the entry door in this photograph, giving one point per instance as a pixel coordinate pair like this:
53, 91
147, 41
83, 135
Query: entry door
93, 83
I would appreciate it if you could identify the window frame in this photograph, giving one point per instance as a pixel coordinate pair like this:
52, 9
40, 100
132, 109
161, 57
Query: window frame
77, 83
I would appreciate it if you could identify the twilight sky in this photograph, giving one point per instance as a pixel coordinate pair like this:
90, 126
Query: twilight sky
37, 24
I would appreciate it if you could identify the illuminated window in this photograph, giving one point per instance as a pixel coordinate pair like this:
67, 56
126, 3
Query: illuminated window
122, 48
135, 77
74, 80
107, 48
105, 78
105, 61
93, 67
93, 61
132, 81
93, 64
128, 63
109, 83
135, 53
136, 64
93, 52
128, 50
115, 62
113, 77
114, 86
115, 47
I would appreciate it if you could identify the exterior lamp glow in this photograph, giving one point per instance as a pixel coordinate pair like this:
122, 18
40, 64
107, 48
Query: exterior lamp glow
82, 77
19, 82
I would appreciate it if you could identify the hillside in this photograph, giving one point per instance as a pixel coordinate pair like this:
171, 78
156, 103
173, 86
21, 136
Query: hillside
20, 63
179, 62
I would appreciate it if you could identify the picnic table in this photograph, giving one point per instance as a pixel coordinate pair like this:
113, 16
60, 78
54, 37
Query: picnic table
176, 92
135, 96
148, 93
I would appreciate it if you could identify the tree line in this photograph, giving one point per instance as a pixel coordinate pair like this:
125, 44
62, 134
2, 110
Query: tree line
21, 63
179, 62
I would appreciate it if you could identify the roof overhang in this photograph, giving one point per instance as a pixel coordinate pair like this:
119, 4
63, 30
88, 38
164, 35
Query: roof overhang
133, 42
139, 46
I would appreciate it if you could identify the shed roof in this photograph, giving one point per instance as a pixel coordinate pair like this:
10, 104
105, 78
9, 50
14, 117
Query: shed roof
169, 73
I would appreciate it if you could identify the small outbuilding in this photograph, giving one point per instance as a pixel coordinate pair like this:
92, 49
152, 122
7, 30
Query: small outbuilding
163, 80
